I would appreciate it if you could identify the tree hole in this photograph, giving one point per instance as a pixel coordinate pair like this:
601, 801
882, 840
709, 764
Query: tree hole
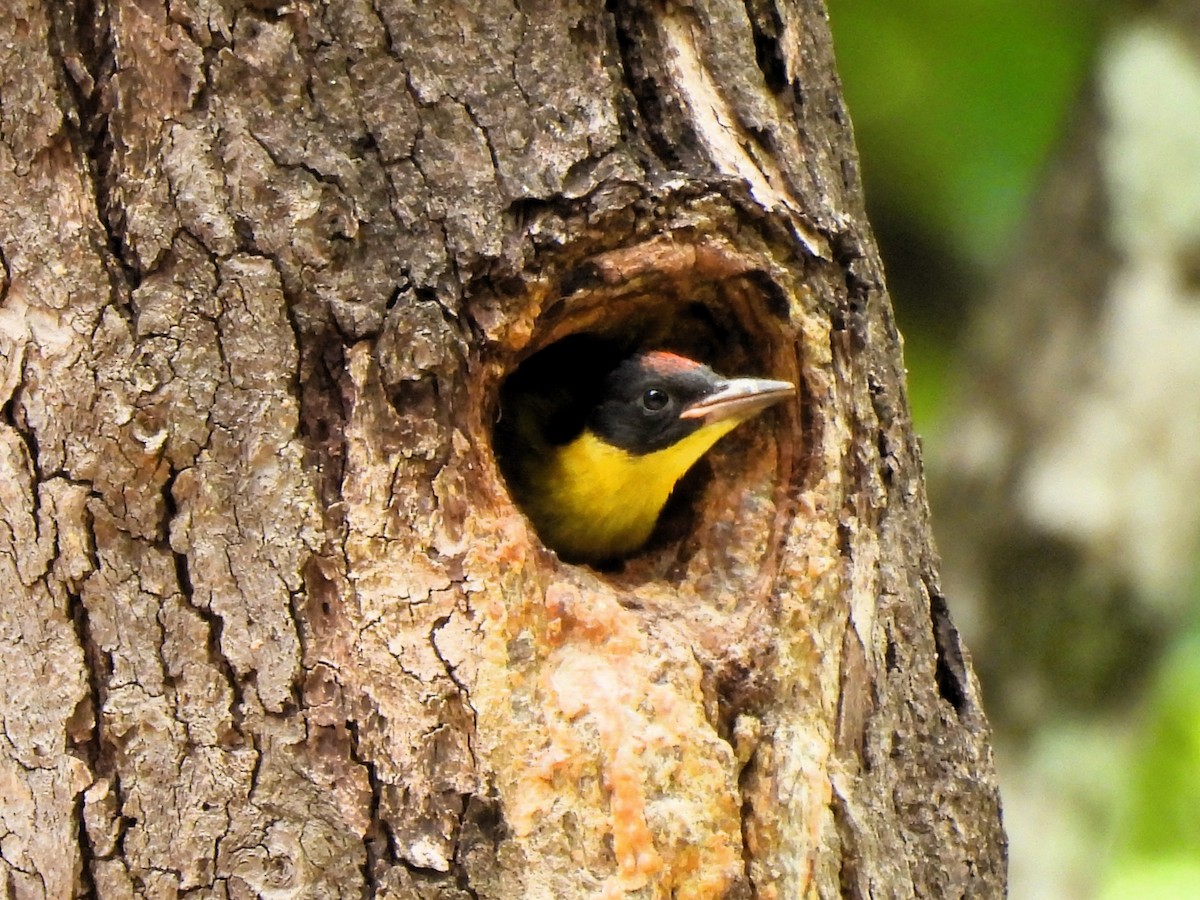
551, 396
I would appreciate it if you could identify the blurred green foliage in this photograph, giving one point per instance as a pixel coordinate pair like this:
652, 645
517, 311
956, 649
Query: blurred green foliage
956, 104
1158, 851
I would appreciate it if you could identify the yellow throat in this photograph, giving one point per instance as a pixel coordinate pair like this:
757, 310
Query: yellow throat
593, 501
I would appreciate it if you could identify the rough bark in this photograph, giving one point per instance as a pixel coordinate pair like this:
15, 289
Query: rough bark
271, 624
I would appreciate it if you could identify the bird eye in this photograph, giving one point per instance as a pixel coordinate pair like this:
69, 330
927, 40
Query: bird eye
655, 399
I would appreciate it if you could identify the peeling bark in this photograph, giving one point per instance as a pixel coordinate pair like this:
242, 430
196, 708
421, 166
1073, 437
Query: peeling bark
271, 622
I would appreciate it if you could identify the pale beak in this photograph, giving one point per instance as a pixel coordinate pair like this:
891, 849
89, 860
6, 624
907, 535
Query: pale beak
738, 398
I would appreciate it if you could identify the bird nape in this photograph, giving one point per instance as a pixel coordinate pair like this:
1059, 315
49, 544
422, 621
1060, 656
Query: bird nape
593, 443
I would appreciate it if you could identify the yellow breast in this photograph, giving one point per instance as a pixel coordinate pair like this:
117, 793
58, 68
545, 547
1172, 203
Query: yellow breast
593, 501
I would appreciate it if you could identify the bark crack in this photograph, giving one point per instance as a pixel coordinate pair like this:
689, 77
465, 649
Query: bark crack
377, 840
767, 52
97, 670
746, 820
646, 114
950, 670
436, 218
463, 690
5, 276
91, 36
487, 138
211, 619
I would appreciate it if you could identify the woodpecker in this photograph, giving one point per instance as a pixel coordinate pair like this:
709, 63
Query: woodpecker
593, 447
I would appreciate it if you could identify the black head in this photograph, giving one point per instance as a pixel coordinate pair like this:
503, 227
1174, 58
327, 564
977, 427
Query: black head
643, 399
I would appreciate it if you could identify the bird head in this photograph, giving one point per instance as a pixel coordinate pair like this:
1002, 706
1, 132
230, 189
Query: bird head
656, 399
593, 447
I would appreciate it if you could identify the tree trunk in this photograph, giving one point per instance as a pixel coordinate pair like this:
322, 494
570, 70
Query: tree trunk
272, 626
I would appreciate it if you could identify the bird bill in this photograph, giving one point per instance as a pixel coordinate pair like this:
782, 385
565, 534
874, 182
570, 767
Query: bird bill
738, 398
